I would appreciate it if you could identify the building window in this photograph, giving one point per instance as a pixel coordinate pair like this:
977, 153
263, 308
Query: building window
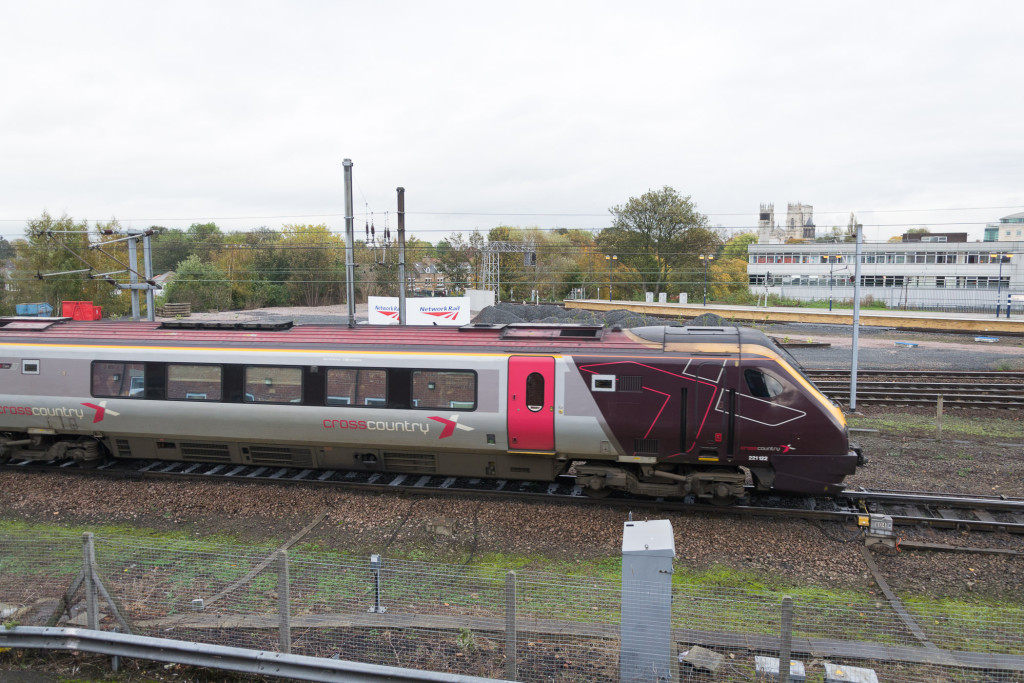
444, 389
124, 380
266, 384
357, 387
193, 382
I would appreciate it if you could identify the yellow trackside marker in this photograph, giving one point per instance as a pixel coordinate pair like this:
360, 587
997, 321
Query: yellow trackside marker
863, 520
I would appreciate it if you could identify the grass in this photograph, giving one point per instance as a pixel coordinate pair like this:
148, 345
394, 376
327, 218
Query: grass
989, 428
173, 568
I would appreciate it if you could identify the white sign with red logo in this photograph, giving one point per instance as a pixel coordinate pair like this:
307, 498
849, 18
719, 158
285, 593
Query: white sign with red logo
440, 310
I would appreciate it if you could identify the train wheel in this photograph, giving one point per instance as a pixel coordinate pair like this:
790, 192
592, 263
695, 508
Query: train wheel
722, 494
597, 494
721, 497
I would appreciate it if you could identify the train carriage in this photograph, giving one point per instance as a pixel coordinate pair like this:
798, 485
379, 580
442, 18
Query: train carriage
660, 411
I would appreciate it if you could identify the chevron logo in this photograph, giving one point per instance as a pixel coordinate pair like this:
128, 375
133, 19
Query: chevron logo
101, 411
450, 426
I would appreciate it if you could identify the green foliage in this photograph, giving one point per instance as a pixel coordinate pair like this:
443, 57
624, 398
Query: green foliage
170, 247
201, 284
205, 240
455, 259
658, 238
60, 245
6, 250
465, 640
315, 261
986, 427
727, 282
737, 247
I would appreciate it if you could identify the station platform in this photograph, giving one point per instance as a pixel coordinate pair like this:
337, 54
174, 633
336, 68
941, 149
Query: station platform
924, 321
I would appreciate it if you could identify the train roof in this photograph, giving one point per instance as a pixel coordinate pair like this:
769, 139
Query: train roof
516, 337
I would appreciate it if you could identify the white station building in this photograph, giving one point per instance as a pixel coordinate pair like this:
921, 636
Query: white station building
941, 272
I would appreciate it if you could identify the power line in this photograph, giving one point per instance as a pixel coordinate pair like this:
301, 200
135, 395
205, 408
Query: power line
542, 214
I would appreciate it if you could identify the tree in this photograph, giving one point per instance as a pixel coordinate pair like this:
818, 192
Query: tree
204, 239
170, 247
58, 246
201, 284
269, 268
316, 264
728, 281
454, 255
658, 238
514, 276
6, 250
738, 246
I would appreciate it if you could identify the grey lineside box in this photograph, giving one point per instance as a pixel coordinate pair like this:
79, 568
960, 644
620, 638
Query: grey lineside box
835, 673
648, 549
768, 669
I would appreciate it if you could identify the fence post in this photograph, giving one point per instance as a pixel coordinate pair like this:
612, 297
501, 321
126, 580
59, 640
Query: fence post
284, 604
375, 567
938, 416
88, 562
786, 639
511, 644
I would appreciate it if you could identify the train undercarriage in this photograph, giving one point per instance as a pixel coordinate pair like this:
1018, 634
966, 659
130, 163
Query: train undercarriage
718, 485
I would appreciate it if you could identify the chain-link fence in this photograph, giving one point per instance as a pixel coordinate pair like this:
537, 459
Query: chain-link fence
482, 620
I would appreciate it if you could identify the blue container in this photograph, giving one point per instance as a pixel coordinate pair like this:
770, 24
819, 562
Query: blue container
42, 310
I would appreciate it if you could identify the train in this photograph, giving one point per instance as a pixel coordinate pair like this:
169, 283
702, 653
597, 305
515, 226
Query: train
662, 411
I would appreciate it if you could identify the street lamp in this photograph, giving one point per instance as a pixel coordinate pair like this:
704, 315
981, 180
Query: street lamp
999, 283
705, 258
831, 266
610, 258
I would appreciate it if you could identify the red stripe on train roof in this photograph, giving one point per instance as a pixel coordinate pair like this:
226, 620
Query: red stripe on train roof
382, 337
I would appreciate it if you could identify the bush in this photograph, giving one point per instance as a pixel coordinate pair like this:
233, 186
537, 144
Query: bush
203, 285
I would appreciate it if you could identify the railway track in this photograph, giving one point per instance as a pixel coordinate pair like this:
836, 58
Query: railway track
990, 390
906, 508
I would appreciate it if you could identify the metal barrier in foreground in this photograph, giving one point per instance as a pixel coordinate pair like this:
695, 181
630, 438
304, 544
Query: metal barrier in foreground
236, 659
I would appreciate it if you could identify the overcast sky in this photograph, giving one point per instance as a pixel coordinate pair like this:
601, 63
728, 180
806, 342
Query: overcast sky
521, 113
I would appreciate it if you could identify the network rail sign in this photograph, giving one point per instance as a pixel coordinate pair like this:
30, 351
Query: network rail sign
449, 310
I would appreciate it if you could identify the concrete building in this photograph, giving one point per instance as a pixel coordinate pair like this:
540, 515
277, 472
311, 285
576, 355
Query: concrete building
935, 275
1008, 229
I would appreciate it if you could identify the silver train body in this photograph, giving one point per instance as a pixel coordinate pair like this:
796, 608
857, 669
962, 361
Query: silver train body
655, 411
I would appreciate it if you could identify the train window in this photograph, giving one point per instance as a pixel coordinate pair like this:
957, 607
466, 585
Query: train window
444, 389
193, 382
761, 384
535, 391
357, 387
118, 379
268, 384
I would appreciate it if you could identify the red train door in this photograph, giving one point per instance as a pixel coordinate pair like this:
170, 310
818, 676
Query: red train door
531, 403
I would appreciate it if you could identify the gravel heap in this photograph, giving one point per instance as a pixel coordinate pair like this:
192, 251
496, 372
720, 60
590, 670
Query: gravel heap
508, 313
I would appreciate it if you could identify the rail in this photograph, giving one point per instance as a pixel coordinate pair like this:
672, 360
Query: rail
995, 390
933, 509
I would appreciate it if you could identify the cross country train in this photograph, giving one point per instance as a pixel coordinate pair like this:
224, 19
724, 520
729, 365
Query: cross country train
656, 411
